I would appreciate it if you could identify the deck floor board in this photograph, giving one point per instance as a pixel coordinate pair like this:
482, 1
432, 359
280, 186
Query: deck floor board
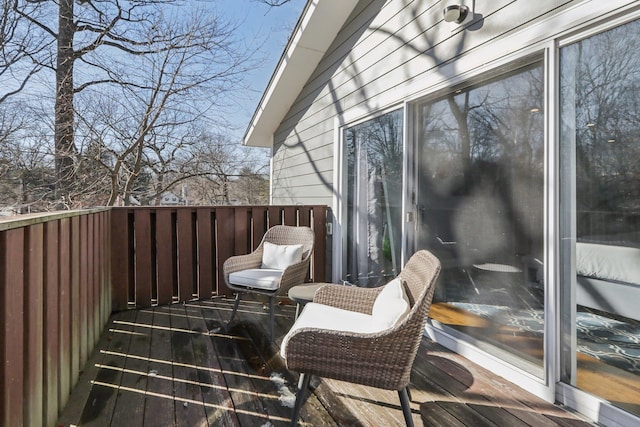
156, 360
160, 398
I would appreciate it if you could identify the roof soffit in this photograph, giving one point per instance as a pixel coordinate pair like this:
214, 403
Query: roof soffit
318, 26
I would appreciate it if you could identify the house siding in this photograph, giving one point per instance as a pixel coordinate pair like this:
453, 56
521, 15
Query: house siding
386, 52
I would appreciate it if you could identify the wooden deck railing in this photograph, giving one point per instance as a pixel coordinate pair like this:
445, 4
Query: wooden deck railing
167, 254
61, 276
55, 298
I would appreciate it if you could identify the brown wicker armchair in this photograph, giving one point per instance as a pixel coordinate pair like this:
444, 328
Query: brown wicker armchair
270, 282
380, 359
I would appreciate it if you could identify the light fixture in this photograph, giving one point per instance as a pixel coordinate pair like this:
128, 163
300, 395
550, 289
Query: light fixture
535, 110
455, 13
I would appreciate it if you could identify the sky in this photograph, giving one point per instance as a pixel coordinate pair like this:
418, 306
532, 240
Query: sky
258, 25
269, 25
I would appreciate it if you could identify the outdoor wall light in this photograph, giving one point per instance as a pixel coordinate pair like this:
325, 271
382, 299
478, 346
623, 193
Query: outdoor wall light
455, 13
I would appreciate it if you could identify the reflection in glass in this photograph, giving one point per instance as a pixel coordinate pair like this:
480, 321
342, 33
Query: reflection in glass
480, 209
600, 137
373, 193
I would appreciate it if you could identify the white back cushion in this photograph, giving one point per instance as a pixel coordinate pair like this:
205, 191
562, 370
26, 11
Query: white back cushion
391, 305
280, 257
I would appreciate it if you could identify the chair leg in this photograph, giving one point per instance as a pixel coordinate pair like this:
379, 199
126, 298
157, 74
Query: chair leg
271, 321
236, 303
303, 385
297, 311
406, 407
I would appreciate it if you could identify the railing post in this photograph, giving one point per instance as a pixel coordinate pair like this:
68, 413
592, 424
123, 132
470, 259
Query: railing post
12, 327
120, 260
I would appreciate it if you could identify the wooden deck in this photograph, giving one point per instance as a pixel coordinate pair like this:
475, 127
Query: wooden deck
174, 365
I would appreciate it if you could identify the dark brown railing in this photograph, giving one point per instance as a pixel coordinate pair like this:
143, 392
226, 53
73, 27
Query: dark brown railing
61, 276
162, 255
55, 298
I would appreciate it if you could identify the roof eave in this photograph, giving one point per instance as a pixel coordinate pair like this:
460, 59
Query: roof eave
315, 31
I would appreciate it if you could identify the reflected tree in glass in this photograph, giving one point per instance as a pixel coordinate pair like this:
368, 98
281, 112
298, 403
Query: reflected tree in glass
373, 151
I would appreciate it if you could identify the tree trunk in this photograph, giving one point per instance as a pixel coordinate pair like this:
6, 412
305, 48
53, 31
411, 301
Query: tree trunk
462, 116
225, 190
64, 113
159, 188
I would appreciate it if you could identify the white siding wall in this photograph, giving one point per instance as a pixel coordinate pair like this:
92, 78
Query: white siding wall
389, 51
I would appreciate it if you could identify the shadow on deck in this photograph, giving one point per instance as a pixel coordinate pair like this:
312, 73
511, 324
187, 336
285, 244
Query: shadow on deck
175, 365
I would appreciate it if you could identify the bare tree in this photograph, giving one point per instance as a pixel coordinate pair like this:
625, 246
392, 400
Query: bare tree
23, 52
130, 78
222, 164
153, 122
21, 55
26, 167
274, 3
251, 187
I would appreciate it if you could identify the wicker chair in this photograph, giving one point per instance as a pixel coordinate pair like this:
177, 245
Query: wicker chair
381, 359
282, 280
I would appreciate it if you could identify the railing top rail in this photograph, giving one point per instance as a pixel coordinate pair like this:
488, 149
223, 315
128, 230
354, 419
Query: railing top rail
26, 220
169, 207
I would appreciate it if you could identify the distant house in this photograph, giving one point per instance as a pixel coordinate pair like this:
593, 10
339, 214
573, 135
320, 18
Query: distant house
504, 137
170, 199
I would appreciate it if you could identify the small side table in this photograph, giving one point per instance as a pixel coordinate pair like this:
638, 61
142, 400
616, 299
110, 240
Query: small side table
302, 294
497, 268
492, 267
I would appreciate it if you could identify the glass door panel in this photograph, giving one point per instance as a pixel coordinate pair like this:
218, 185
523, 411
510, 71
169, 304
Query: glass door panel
480, 200
373, 200
600, 145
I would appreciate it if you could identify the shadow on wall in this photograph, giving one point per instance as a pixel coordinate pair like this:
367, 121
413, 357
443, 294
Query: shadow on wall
287, 131
312, 93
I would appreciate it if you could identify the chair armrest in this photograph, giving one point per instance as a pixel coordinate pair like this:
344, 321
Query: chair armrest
294, 275
241, 262
350, 298
381, 359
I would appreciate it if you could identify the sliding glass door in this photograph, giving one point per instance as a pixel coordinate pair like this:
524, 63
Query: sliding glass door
600, 155
479, 191
479, 203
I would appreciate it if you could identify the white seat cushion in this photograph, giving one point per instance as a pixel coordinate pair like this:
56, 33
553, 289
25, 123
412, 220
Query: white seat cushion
260, 278
391, 305
322, 316
280, 256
